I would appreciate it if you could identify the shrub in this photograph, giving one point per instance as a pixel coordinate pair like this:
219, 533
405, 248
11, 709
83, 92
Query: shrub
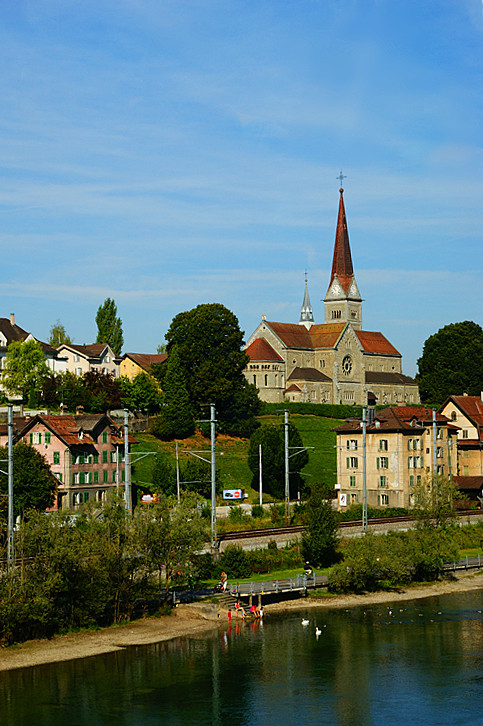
258, 511
234, 562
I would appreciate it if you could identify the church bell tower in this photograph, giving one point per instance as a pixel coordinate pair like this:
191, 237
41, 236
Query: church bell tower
343, 302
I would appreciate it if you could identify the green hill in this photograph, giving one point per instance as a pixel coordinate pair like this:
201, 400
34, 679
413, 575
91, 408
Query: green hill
231, 453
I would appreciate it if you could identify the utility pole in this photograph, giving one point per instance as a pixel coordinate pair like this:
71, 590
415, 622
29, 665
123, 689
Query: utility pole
435, 465
127, 466
213, 475
10, 528
364, 472
177, 475
260, 475
287, 473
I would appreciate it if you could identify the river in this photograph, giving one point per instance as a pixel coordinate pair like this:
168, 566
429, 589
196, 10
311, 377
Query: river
417, 662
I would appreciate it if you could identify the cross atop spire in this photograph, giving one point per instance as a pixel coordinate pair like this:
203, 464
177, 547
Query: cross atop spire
341, 177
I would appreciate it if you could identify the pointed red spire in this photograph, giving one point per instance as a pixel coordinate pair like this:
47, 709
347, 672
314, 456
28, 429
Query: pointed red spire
342, 261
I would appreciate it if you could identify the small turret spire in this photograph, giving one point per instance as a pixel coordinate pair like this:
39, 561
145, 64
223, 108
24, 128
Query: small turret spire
306, 312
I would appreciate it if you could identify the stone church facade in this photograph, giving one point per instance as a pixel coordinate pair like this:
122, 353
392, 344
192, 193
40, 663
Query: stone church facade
331, 362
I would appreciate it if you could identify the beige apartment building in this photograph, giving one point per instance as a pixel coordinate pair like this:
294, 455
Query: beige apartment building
399, 455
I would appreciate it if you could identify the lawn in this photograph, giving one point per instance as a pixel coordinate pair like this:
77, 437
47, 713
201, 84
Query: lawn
231, 454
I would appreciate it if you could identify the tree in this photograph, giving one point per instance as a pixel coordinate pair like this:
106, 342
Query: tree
104, 390
209, 341
451, 363
58, 335
34, 485
109, 326
141, 393
176, 420
319, 538
25, 368
272, 440
434, 500
170, 534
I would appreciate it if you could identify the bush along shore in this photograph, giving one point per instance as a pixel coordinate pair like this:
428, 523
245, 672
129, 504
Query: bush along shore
103, 566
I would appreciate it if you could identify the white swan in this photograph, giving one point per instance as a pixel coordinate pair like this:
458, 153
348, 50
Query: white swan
317, 631
305, 622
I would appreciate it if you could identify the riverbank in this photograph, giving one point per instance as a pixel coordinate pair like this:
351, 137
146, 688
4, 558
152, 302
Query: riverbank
198, 620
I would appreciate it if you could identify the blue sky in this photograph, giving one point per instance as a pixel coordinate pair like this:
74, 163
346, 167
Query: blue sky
168, 153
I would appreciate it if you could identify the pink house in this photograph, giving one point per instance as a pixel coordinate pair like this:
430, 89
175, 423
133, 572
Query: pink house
85, 453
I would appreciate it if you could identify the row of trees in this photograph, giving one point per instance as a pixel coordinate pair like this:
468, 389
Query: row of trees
95, 569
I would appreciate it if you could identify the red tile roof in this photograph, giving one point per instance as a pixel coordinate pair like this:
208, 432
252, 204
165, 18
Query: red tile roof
67, 427
292, 335
373, 342
145, 360
326, 335
389, 378
468, 482
260, 350
293, 389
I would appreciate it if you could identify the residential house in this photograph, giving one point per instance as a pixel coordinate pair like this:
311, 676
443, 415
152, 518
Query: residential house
134, 363
93, 357
10, 332
331, 362
466, 412
85, 453
400, 454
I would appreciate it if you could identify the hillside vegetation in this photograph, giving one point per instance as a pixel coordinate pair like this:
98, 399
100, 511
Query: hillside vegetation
231, 453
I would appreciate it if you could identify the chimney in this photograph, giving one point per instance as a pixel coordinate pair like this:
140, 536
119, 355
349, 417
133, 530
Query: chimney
12, 318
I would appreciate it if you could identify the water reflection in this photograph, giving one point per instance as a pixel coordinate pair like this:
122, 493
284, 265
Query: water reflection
413, 663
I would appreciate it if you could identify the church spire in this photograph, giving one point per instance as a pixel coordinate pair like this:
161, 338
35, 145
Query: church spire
343, 302
342, 260
306, 313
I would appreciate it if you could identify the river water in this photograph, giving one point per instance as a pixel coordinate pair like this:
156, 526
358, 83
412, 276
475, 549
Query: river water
417, 662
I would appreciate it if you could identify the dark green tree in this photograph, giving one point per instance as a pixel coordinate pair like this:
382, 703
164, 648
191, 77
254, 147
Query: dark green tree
209, 342
34, 485
104, 390
141, 393
58, 335
272, 439
451, 363
176, 419
319, 537
109, 326
163, 475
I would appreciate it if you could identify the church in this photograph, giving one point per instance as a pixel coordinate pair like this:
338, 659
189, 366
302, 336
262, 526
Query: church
332, 362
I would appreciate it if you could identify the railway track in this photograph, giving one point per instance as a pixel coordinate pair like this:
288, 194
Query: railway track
297, 529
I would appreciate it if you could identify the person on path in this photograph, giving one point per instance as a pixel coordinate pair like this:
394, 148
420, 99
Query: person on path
224, 580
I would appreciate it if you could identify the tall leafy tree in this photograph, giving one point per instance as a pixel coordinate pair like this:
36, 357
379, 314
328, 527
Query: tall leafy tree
451, 362
272, 440
209, 343
25, 368
176, 420
109, 326
319, 538
58, 335
34, 485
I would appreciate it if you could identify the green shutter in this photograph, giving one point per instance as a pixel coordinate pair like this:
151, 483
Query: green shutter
96, 477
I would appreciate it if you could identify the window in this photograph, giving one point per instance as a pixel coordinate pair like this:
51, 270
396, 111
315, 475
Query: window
352, 444
439, 433
440, 470
36, 438
352, 462
107, 359
336, 314
415, 462
411, 480
383, 445
353, 498
254, 380
96, 477
114, 476
465, 433
453, 415
75, 477
383, 500
47, 437
414, 444
113, 457
76, 358
418, 479
383, 481
382, 462
123, 475
56, 458
82, 478
352, 480
95, 458
439, 452
105, 476
78, 371
266, 379
466, 470
104, 437
104, 457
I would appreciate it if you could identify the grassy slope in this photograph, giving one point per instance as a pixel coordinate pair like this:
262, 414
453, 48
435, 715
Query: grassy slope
231, 454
